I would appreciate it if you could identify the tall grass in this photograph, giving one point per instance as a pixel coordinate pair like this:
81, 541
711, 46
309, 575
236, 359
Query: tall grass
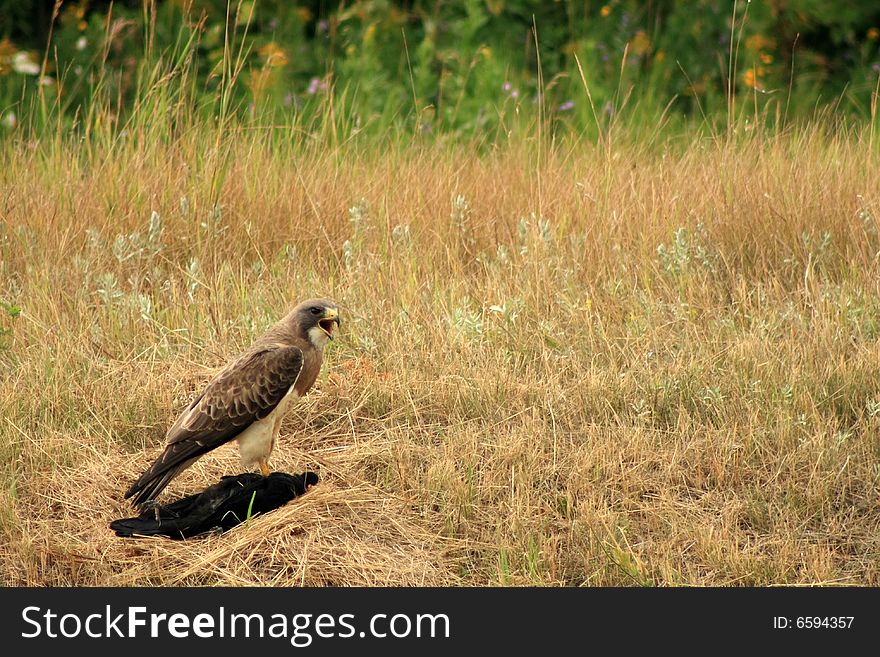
625, 361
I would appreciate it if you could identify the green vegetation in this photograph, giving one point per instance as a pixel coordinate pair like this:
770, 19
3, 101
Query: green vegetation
478, 68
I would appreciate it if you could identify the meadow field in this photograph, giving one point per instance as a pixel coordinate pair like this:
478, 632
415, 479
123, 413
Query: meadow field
579, 346
560, 364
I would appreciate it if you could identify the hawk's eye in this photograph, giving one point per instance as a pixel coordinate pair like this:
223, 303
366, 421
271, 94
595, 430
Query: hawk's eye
315, 310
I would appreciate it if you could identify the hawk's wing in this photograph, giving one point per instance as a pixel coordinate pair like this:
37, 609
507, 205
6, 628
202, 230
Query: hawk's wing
245, 391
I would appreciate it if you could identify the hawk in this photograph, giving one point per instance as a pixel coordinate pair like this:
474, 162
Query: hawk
247, 399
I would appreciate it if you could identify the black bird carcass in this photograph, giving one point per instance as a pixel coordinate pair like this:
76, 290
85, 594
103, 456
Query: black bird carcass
222, 506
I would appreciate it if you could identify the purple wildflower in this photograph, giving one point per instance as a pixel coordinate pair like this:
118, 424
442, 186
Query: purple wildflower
314, 85
567, 105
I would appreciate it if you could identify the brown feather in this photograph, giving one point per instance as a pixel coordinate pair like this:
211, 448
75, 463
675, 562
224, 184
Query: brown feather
246, 390
243, 392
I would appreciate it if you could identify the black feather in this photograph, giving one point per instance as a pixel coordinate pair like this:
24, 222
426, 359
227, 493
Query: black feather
223, 505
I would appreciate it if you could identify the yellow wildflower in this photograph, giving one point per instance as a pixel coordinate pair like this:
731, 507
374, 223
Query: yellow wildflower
766, 58
495, 7
397, 17
305, 14
640, 43
274, 55
7, 50
873, 33
605, 11
749, 78
660, 56
759, 42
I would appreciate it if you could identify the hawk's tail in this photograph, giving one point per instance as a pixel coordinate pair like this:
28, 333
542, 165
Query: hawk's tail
176, 458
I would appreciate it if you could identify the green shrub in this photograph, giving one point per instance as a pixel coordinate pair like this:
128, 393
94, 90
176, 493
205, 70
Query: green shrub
430, 67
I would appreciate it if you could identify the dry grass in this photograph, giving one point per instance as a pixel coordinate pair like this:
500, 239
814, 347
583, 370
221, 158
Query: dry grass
593, 367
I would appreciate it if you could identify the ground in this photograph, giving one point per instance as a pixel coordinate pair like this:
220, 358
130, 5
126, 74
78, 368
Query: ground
569, 364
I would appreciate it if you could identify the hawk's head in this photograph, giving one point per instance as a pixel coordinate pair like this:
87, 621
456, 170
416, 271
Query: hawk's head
317, 320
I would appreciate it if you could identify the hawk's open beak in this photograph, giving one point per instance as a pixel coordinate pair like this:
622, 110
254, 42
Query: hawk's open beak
330, 321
